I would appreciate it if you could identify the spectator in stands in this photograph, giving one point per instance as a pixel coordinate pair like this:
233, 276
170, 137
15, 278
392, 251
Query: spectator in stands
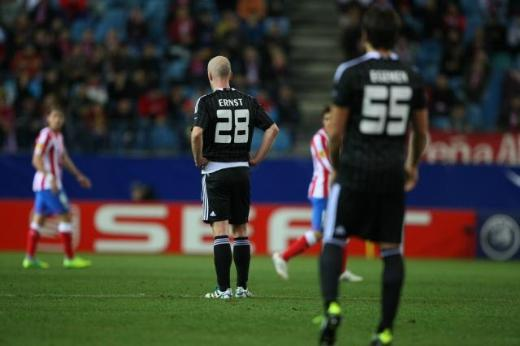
75, 65
96, 138
197, 68
139, 84
44, 45
119, 87
350, 22
136, 27
277, 22
64, 44
248, 8
96, 62
176, 102
87, 43
513, 35
252, 67
123, 125
162, 137
181, 27
279, 67
205, 29
6, 122
152, 103
28, 122
509, 118
495, 34
56, 50
27, 61
453, 59
4, 42
22, 31
151, 63
41, 12
453, 19
253, 29
53, 83
459, 120
475, 81
96, 91
74, 8
442, 101
289, 111
227, 32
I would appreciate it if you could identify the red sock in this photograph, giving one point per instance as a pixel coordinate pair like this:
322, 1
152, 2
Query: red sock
32, 242
296, 248
66, 237
345, 257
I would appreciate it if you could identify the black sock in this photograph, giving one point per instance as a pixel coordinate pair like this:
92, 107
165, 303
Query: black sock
393, 277
242, 257
330, 270
222, 259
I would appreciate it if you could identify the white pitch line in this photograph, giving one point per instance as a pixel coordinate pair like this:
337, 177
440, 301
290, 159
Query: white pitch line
183, 296
138, 295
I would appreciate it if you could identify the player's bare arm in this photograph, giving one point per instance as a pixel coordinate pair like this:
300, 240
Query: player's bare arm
83, 180
338, 119
196, 147
416, 147
267, 141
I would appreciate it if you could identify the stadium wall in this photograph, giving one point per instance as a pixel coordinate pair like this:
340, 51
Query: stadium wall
153, 228
274, 181
485, 194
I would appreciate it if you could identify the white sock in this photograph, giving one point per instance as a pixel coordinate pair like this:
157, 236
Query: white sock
310, 237
65, 227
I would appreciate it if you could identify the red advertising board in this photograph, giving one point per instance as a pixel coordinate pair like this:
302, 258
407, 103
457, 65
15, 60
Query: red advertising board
176, 228
483, 148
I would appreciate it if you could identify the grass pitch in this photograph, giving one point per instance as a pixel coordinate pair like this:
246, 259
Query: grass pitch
157, 300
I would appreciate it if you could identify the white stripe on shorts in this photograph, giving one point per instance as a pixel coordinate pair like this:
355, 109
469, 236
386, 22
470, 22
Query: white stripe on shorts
205, 206
330, 219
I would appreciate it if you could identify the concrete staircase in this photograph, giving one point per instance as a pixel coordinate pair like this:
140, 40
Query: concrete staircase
315, 54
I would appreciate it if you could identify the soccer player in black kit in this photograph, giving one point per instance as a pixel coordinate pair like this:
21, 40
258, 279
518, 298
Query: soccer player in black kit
375, 98
223, 127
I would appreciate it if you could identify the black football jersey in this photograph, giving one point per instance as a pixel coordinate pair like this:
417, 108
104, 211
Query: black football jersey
229, 118
381, 95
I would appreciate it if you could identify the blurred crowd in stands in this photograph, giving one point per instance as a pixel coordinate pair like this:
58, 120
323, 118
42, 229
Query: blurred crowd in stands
128, 72
468, 52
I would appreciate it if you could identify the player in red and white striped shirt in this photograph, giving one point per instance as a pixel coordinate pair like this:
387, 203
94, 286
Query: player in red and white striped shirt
49, 157
318, 193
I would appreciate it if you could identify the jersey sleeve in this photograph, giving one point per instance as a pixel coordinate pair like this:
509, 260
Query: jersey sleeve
42, 142
201, 116
262, 119
343, 88
319, 152
419, 93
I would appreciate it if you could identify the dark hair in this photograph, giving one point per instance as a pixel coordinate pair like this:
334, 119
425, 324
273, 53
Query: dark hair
325, 110
382, 24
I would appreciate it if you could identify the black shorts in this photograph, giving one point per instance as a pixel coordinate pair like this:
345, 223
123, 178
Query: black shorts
372, 216
226, 196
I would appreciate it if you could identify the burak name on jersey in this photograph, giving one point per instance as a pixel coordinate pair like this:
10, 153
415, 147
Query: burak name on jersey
388, 76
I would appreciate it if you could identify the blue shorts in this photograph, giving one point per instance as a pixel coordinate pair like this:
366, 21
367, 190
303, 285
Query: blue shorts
48, 203
318, 210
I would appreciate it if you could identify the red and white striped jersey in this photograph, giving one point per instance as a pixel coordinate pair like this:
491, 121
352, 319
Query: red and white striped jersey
49, 145
320, 184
